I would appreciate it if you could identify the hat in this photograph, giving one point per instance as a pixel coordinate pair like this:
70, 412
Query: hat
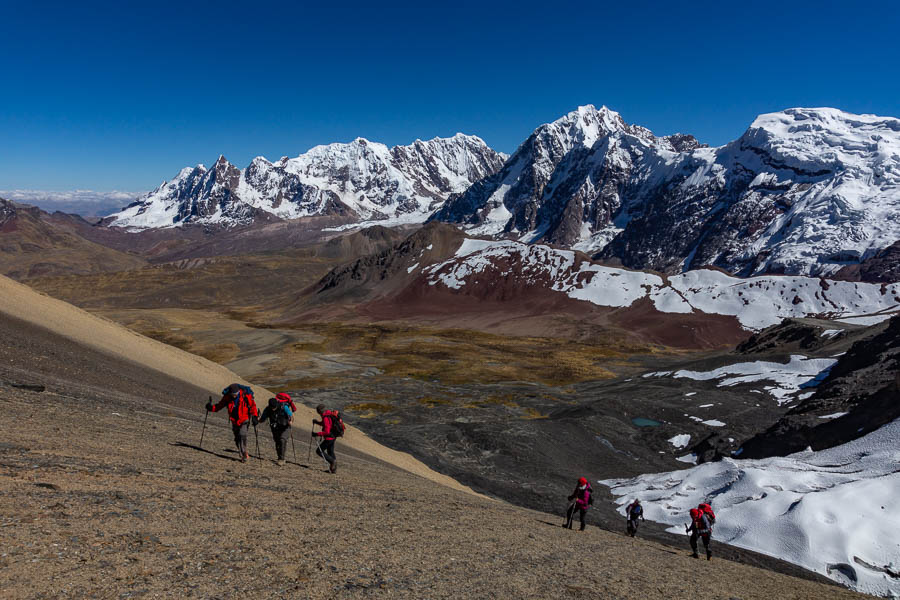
234, 388
282, 397
582, 481
695, 514
273, 402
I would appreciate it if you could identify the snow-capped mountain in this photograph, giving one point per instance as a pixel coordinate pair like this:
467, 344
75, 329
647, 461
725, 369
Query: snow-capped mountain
567, 182
803, 191
755, 302
362, 180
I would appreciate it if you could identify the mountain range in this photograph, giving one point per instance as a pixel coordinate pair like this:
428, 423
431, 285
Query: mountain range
802, 191
361, 180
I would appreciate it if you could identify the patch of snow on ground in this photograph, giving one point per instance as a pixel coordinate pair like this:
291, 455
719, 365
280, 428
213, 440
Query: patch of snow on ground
687, 458
412, 268
830, 333
681, 440
688, 395
833, 415
799, 373
714, 423
705, 405
833, 511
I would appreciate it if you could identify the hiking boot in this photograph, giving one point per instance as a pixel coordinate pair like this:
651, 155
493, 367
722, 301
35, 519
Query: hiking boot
709, 556
246, 457
695, 555
280, 462
333, 467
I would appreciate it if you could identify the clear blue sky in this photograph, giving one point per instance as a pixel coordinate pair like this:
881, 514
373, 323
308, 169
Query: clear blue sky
121, 95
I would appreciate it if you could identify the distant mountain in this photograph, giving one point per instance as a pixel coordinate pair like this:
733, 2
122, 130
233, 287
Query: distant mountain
803, 191
34, 243
361, 180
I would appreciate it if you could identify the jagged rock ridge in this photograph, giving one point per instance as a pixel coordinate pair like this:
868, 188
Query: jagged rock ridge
361, 180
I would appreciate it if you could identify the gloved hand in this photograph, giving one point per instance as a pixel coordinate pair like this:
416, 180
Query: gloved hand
571, 497
312, 433
255, 420
209, 406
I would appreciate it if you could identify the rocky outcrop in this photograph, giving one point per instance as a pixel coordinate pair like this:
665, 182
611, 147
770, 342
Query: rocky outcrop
860, 394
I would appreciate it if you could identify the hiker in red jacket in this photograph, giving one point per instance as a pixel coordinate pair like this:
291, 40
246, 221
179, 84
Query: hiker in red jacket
238, 399
701, 527
583, 497
330, 423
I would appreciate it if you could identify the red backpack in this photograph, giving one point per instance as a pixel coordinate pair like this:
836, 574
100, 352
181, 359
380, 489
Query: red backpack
708, 511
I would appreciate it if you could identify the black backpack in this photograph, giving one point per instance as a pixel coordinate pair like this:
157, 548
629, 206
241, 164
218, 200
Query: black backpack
281, 418
337, 424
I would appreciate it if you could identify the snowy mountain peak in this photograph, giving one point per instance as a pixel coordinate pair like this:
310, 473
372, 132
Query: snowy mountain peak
360, 179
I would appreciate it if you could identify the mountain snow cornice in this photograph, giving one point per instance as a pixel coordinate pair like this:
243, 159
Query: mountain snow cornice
360, 179
803, 191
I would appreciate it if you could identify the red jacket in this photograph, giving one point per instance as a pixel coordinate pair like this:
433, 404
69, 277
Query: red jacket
240, 414
326, 426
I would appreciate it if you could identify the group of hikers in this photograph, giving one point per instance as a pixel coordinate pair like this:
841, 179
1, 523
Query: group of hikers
702, 518
242, 411
239, 402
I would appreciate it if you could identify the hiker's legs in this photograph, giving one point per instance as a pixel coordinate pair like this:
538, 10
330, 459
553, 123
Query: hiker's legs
694, 537
632, 526
583, 515
240, 437
705, 538
281, 437
327, 451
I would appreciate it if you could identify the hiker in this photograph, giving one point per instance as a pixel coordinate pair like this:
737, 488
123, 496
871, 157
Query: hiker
332, 428
633, 512
238, 399
280, 418
583, 497
702, 528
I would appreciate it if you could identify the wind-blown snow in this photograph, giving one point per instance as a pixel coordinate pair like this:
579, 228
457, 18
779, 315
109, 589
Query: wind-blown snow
834, 512
756, 302
798, 373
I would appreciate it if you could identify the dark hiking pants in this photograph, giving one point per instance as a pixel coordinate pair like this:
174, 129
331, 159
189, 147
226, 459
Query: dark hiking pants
326, 450
632, 527
240, 437
281, 436
705, 538
570, 515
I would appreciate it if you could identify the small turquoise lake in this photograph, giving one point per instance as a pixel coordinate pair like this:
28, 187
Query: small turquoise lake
642, 422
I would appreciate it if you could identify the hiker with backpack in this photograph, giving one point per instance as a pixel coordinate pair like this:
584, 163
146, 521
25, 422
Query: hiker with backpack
242, 411
583, 497
280, 419
332, 428
286, 399
702, 519
633, 512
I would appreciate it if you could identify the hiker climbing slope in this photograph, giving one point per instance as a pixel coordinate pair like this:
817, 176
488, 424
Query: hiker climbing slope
633, 512
332, 428
583, 497
701, 527
242, 411
280, 418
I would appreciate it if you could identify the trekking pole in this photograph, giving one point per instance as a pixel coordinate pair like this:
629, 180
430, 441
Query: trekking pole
322, 454
258, 455
204, 425
309, 452
292, 444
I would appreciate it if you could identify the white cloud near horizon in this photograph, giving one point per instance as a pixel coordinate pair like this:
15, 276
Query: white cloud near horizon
82, 202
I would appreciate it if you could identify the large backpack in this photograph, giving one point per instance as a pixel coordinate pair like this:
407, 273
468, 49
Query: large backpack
246, 393
337, 424
706, 509
281, 418
635, 511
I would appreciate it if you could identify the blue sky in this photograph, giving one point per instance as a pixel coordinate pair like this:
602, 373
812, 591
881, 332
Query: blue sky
120, 96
